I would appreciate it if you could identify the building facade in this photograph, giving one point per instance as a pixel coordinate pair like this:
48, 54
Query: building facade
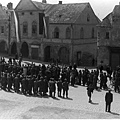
108, 40
63, 32
4, 29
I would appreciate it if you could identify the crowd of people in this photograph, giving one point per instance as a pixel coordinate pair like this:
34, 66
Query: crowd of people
52, 79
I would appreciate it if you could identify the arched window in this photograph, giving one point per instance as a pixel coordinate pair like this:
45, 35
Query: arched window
56, 32
81, 33
68, 33
93, 33
34, 28
25, 28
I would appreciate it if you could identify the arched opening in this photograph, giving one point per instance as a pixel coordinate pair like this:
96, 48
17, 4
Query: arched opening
47, 54
63, 55
25, 50
3, 47
14, 49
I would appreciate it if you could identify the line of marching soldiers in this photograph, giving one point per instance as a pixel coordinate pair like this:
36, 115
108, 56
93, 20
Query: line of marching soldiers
33, 85
32, 79
39, 80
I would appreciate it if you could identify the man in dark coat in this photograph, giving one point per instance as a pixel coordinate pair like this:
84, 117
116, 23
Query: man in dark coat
52, 87
65, 88
90, 89
59, 86
108, 100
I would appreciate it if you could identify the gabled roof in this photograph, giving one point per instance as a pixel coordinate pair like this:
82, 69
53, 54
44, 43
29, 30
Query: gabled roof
58, 13
107, 21
116, 10
3, 13
25, 5
62, 13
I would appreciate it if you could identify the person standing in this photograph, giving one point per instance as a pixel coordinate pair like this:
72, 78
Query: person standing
59, 86
65, 86
108, 100
90, 89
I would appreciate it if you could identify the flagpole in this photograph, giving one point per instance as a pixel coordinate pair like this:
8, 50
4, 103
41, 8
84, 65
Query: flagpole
9, 35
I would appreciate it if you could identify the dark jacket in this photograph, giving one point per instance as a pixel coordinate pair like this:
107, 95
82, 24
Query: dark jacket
109, 97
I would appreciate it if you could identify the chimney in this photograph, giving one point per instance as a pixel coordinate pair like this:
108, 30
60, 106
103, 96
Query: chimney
0, 5
10, 6
44, 1
60, 2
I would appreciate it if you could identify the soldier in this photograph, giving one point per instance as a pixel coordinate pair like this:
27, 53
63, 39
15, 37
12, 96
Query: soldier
79, 77
9, 81
105, 81
52, 87
65, 86
46, 86
41, 86
101, 80
23, 85
4, 81
59, 86
35, 87
17, 83
29, 85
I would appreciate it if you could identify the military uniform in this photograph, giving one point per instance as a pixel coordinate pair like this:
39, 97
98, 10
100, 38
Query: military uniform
35, 88
59, 87
29, 85
52, 87
65, 88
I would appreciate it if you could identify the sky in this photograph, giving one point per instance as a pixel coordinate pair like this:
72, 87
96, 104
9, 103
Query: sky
101, 7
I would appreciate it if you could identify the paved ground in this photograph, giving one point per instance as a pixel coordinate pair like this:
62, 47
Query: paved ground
17, 106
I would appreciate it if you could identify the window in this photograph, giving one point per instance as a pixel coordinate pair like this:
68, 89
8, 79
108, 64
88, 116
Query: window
34, 28
93, 32
98, 35
2, 29
25, 28
107, 35
56, 33
68, 33
22, 13
88, 18
31, 13
81, 33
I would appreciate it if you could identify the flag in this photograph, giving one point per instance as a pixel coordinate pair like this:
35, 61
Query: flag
16, 26
45, 26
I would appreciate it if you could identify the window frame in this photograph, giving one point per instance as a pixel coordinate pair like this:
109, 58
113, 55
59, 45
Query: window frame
82, 33
25, 28
56, 32
34, 27
2, 30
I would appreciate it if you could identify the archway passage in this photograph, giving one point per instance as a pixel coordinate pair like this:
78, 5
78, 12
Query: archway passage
3, 47
25, 50
14, 49
63, 55
47, 54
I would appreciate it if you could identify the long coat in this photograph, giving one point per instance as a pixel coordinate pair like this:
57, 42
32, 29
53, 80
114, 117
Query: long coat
109, 97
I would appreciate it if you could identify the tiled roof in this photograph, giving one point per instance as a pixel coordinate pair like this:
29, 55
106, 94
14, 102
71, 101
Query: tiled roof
116, 10
107, 21
3, 13
62, 13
